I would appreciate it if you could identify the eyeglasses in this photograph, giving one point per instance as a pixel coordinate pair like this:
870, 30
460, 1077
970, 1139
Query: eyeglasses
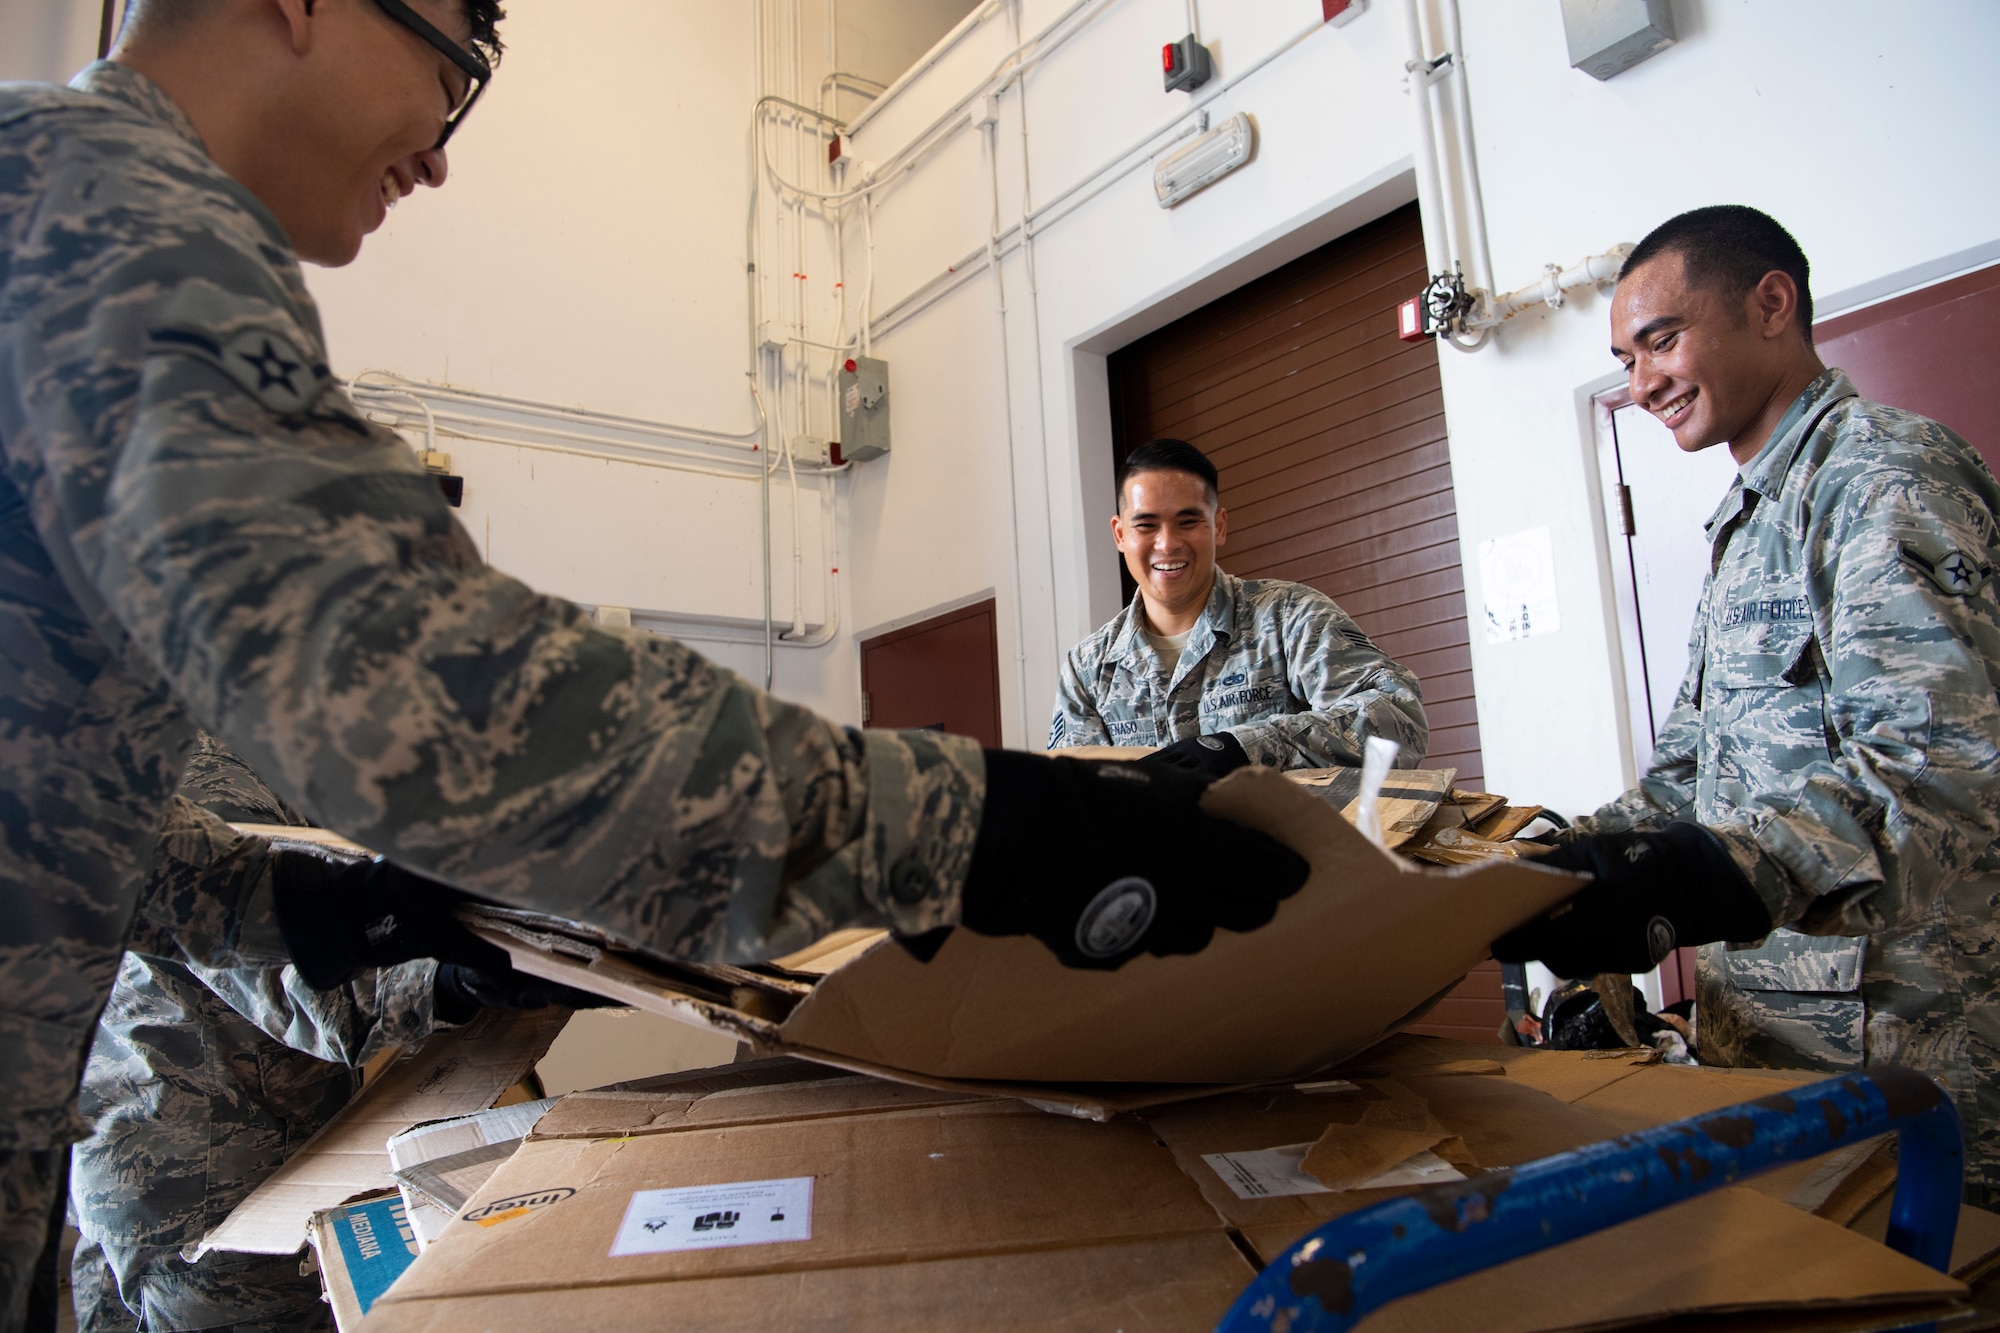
477, 72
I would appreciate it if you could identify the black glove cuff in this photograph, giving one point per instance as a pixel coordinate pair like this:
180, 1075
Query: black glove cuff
1725, 906
452, 1000
303, 900
1017, 788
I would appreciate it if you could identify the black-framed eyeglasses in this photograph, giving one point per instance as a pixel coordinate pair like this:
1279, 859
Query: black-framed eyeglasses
477, 72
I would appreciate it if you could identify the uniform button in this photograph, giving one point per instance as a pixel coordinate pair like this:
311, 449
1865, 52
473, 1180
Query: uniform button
910, 881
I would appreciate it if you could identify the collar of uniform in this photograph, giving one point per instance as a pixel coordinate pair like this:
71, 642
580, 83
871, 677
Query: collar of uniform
1218, 618
1765, 473
122, 83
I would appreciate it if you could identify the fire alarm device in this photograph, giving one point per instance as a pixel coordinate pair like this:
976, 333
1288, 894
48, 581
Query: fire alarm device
1185, 65
1413, 324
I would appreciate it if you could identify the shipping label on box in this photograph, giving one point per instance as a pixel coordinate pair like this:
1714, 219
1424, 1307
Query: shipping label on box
709, 1217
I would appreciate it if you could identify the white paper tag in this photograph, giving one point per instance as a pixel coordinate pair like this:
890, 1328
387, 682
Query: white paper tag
1273, 1172
710, 1217
1378, 756
1266, 1174
1426, 1168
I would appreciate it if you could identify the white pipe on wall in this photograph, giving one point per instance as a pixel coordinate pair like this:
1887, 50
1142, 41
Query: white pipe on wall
1430, 188
1597, 270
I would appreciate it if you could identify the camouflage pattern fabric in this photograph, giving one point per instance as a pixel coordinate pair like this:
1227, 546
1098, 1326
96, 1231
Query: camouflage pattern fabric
1839, 730
200, 1083
244, 1293
197, 525
1278, 665
29, 1182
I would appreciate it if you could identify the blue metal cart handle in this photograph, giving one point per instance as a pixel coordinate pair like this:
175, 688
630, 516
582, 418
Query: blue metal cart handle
1354, 1265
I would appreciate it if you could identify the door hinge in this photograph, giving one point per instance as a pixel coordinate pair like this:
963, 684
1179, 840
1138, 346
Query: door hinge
866, 712
1625, 511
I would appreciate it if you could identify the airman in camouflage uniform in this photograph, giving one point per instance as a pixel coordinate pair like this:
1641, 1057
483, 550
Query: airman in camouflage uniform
1838, 729
1276, 664
196, 522
189, 1060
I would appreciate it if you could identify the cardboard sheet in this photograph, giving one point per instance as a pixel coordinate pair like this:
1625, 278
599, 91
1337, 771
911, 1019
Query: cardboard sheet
451, 1074
1357, 952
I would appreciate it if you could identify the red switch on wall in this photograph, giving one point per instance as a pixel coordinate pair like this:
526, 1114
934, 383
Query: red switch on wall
1185, 65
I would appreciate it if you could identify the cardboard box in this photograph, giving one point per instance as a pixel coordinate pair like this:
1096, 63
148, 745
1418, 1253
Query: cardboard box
363, 1246
1364, 947
780, 1194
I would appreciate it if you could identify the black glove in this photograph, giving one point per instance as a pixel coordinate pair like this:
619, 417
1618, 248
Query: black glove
461, 992
1213, 756
1654, 892
339, 918
1100, 860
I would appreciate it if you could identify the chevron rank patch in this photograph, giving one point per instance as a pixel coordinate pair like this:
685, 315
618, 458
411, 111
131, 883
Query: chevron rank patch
1953, 571
269, 366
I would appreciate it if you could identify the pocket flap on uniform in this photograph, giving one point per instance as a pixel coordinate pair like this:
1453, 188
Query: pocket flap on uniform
1759, 654
1790, 961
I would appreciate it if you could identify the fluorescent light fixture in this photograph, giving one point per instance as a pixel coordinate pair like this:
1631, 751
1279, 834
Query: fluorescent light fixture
1203, 160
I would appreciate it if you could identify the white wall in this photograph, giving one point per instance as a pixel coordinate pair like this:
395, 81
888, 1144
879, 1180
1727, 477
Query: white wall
47, 40
1863, 134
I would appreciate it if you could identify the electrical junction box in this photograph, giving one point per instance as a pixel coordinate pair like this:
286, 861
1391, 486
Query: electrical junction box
864, 410
1185, 65
1608, 37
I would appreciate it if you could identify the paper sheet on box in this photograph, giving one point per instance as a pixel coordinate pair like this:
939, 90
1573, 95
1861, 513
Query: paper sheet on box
451, 1074
438, 1166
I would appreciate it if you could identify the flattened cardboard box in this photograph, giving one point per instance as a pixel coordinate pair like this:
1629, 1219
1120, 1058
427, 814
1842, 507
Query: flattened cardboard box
830, 1201
1367, 944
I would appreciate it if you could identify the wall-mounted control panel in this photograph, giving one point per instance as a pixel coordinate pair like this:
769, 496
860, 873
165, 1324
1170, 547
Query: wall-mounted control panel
864, 410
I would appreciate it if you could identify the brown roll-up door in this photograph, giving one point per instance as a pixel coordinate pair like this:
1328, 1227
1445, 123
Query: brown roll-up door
1329, 433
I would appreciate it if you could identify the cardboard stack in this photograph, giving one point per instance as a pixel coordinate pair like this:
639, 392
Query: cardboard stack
781, 1192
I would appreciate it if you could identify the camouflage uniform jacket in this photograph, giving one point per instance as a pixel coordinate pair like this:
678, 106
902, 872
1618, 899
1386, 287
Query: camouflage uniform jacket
196, 523
1275, 664
1839, 729
202, 1081
197, 1097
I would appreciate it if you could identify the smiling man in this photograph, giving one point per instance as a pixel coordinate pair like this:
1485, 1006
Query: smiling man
199, 530
1219, 671
1828, 782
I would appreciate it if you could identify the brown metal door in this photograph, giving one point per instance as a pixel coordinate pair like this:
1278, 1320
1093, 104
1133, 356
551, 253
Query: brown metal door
943, 674
1930, 352
1329, 433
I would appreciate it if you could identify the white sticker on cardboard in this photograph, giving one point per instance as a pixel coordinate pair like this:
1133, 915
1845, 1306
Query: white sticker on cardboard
1266, 1174
711, 1217
1279, 1171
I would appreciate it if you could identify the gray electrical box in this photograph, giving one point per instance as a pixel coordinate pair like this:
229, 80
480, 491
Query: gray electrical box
864, 410
1608, 37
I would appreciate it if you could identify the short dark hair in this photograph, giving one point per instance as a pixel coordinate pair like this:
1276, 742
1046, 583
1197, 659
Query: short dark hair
1168, 456
1729, 248
482, 16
